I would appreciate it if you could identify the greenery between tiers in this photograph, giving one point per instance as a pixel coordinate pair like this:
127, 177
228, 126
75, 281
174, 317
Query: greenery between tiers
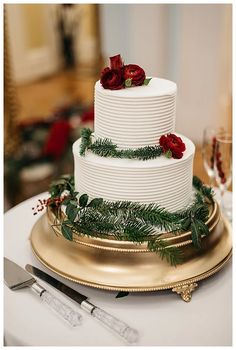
105, 148
131, 221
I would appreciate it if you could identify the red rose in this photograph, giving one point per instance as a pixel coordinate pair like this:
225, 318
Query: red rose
134, 72
173, 143
116, 62
112, 79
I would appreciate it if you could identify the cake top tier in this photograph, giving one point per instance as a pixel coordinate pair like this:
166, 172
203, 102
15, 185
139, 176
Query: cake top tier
136, 116
156, 87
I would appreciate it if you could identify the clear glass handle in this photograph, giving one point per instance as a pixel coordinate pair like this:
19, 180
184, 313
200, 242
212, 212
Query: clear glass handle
66, 312
129, 334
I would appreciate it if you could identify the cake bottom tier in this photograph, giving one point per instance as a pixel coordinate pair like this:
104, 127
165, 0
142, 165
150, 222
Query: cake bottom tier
164, 181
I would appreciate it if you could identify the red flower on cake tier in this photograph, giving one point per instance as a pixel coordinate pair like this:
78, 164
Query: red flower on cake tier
172, 146
119, 76
112, 79
135, 74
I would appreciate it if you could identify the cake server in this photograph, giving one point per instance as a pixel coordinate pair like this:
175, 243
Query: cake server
15, 277
126, 332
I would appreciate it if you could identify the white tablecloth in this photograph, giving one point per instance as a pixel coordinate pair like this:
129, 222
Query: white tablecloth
161, 318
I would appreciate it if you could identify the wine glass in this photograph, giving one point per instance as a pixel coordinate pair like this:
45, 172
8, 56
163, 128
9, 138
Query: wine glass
208, 151
223, 170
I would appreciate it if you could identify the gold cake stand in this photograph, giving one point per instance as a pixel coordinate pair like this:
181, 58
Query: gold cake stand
124, 266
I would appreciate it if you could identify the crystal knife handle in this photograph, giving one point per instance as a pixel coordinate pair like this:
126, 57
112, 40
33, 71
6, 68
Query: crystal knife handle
126, 332
66, 312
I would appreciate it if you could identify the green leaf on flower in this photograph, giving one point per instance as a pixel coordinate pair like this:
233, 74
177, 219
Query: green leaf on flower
83, 200
168, 154
67, 232
128, 82
147, 81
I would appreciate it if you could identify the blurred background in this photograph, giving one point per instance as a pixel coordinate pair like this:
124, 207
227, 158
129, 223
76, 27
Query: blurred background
53, 54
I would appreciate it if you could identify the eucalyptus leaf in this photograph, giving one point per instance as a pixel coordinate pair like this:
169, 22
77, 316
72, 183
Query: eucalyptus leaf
67, 232
72, 201
95, 203
83, 200
71, 211
66, 201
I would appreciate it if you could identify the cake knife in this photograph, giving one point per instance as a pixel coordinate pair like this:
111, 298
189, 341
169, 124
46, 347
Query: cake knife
15, 277
126, 332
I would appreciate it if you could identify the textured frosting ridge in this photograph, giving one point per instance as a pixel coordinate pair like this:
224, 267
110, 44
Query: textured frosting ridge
138, 116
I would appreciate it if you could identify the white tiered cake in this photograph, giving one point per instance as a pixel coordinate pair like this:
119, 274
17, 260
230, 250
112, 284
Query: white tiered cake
133, 157
136, 117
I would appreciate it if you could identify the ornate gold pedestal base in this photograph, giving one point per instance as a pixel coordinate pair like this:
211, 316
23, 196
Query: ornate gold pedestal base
124, 266
185, 291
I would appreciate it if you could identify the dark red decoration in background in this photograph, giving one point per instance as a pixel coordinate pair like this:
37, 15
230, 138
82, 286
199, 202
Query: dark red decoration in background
88, 116
57, 139
218, 161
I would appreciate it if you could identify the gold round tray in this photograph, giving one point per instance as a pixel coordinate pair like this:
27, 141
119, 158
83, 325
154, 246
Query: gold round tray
124, 266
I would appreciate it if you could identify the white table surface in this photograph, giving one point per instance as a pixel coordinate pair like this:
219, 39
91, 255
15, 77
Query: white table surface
161, 318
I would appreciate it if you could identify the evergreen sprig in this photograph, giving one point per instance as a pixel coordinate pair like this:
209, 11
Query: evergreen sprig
85, 140
172, 254
131, 221
203, 189
106, 148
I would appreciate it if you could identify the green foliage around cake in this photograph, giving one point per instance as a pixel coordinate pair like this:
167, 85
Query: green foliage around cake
85, 140
130, 221
106, 148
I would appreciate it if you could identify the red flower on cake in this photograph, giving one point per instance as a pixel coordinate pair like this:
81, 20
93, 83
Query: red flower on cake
135, 73
112, 79
172, 145
116, 62
118, 76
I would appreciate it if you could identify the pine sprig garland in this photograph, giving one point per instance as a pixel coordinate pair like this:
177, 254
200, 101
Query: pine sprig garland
106, 148
173, 255
85, 140
203, 189
131, 221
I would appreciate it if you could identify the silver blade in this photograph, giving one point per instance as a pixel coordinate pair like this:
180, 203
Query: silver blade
71, 293
15, 276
